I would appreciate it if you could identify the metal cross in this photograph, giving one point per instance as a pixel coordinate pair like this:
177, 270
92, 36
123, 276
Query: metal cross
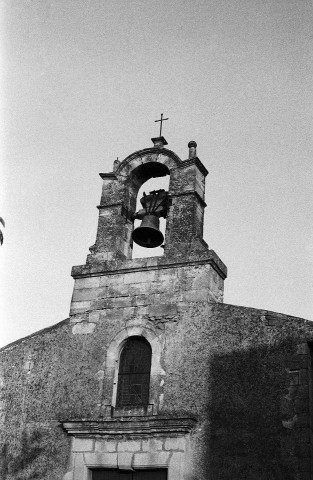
161, 121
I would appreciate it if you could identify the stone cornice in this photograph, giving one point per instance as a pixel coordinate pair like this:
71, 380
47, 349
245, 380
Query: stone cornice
195, 161
135, 426
110, 175
143, 264
116, 204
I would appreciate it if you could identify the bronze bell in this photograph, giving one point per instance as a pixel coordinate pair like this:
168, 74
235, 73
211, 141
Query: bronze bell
148, 234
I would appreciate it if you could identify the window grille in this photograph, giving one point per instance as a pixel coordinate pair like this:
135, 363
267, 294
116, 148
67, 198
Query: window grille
134, 373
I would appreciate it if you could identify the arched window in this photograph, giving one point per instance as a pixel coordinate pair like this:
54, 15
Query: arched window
134, 373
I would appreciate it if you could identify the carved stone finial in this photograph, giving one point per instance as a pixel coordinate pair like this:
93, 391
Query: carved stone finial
116, 164
192, 145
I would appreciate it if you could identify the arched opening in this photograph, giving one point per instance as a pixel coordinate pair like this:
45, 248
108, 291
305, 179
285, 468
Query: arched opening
155, 183
134, 373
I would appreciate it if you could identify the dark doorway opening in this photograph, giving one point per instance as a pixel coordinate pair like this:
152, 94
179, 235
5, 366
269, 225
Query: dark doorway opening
109, 474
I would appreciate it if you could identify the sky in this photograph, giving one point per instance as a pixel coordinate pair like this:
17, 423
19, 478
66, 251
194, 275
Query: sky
83, 82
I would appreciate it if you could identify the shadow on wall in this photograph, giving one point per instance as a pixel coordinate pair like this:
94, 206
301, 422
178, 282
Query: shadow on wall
254, 402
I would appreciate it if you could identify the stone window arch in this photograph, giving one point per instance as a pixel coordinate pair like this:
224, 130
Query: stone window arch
111, 365
134, 373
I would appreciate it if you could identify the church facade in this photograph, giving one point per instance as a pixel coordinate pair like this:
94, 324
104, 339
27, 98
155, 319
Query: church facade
152, 376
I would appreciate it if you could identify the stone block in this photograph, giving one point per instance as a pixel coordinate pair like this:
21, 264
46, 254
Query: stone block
136, 322
153, 460
83, 294
98, 459
196, 295
125, 460
79, 317
118, 290
82, 445
94, 317
129, 446
201, 279
152, 261
143, 300
177, 443
176, 466
138, 288
111, 314
105, 280
101, 292
79, 307
183, 306
121, 302
142, 311
145, 276
83, 328
79, 466
128, 312
152, 444
274, 319
163, 310
101, 304
157, 287
91, 282
170, 297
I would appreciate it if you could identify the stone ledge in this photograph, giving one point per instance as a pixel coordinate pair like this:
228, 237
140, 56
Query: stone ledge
144, 264
144, 426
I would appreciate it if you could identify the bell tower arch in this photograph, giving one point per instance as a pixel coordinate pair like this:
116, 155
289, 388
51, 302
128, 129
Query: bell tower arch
118, 200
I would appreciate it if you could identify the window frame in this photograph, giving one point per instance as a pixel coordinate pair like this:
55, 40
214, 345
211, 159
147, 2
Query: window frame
122, 376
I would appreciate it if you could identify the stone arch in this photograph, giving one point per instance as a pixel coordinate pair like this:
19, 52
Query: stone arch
111, 366
161, 156
135, 170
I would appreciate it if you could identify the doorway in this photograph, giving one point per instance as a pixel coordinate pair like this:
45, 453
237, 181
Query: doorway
135, 475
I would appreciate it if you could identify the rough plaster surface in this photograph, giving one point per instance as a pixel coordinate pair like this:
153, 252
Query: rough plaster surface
243, 374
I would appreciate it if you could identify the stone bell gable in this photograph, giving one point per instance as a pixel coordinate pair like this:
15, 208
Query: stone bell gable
184, 232
152, 376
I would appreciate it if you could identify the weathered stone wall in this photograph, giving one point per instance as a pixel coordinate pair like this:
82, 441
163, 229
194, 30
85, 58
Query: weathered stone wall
243, 374
143, 291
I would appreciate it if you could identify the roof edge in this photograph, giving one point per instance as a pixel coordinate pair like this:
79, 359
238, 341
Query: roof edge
39, 332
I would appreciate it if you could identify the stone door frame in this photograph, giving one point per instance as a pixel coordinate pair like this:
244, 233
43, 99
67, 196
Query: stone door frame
148, 444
